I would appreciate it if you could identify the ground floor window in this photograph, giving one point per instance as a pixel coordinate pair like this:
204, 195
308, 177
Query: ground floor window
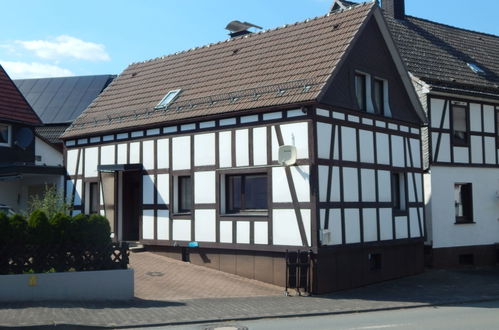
399, 192
4, 135
184, 194
246, 193
463, 202
94, 197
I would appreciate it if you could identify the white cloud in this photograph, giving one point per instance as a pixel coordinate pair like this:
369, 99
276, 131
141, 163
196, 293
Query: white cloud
65, 46
23, 70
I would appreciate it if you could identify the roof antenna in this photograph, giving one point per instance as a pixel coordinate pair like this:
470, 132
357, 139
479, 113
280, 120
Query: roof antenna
238, 28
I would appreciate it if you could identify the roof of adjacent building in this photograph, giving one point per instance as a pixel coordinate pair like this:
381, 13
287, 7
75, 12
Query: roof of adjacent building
13, 106
51, 133
439, 54
283, 66
61, 100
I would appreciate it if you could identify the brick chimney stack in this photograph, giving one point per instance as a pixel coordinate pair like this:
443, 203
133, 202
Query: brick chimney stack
394, 8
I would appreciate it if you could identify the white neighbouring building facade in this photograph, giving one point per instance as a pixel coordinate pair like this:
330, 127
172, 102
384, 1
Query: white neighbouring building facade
457, 80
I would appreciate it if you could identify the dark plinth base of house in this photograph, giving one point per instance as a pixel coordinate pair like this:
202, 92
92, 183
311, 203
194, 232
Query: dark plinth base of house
340, 268
466, 256
269, 267
333, 268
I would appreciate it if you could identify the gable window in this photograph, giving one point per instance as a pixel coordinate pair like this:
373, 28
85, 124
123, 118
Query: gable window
463, 202
246, 193
379, 96
398, 193
184, 194
459, 125
94, 197
5, 135
168, 98
360, 91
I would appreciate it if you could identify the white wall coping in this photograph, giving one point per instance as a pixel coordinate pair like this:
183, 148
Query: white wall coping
68, 286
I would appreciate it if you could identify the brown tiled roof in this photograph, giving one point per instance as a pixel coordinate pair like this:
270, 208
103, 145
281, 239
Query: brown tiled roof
13, 106
237, 74
438, 54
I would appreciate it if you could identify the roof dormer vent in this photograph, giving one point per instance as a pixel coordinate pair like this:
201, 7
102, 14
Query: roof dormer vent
238, 28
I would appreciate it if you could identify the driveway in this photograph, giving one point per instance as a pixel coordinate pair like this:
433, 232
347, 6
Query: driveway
161, 278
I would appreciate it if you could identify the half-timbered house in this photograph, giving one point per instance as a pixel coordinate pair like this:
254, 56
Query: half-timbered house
456, 74
182, 153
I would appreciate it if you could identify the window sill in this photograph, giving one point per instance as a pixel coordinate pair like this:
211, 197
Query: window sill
400, 213
245, 215
184, 215
464, 222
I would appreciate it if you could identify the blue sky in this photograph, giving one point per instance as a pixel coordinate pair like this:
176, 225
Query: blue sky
54, 38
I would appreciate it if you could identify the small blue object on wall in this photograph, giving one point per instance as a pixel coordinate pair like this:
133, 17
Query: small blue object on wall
193, 244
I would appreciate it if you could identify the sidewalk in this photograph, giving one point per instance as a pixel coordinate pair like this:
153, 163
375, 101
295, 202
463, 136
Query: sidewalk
430, 288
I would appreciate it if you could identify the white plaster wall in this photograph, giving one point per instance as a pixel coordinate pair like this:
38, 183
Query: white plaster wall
163, 153
296, 134
370, 225
226, 231
242, 232
163, 224
261, 232
135, 153
352, 226
163, 188
349, 143
148, 224
335, 226
285, 229
476, 150
148, 189
181, 149
50, 156
475, 117
107, 155
368, 185
260, 146
91, 159
204, 187
148, 154
382, 148
225, 149
488, 119
71, 161
205, 225
242, 147
366, 140
398, 151
485, 184
204, 149
122, 154
350, 184
324, 131
181, 230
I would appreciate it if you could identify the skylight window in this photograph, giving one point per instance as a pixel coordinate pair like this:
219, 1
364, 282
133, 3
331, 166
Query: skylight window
169, 97
475, 68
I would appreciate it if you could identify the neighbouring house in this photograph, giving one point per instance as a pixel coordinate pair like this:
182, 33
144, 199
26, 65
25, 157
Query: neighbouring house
456, 74
21, 176
57, 102
304, 137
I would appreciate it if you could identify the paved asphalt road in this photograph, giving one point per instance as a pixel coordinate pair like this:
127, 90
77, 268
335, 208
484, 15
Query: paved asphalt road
483, 316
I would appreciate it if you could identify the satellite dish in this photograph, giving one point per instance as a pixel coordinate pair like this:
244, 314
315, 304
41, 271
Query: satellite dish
287, 155
24, 137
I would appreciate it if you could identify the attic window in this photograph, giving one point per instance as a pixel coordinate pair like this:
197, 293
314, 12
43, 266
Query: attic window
476, 69
169, 97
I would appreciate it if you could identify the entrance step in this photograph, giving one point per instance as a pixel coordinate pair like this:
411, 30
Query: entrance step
135, 247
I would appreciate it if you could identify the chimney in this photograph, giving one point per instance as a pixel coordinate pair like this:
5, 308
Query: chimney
394, 8
238, 28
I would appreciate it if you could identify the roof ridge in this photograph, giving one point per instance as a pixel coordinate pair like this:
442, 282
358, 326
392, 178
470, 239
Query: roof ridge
307, 20
65, 77
451, 26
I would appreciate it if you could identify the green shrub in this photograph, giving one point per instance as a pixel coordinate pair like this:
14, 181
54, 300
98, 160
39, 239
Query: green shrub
40, 230
51, 202
18, 229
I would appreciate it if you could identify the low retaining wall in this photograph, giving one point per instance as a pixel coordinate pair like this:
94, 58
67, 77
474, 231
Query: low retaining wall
87, 285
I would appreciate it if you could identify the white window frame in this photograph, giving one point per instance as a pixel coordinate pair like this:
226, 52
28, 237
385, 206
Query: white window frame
9, 136
168, 98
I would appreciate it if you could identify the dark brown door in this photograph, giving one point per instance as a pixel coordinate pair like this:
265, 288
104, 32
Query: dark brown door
132, 192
